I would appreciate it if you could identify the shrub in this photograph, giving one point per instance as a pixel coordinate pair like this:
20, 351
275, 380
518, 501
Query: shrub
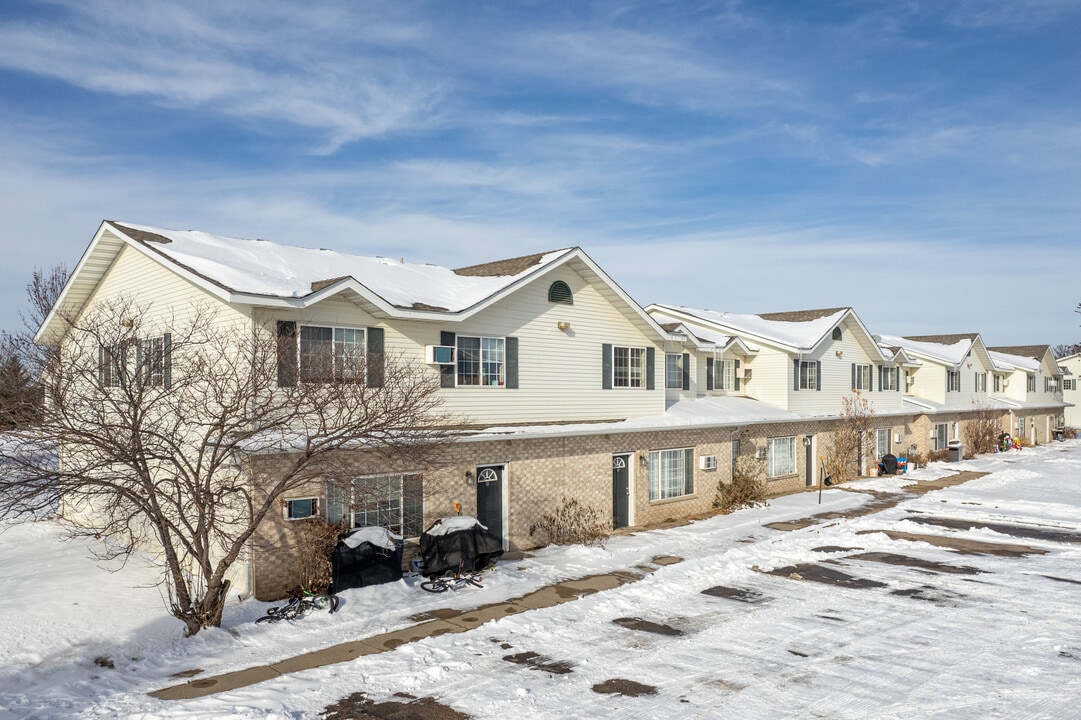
1069, 433
981, 433
315, 541
571, 524
747, 488
852, 433
938, 455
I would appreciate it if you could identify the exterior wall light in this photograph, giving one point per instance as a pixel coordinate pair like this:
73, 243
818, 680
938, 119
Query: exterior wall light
470, 478
563, 325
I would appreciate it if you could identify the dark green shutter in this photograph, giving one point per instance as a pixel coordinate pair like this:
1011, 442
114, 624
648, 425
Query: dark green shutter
651, 370
167, 360
448, 373
140, 375
287, 353
376, 358
101, 365
686, 371
853, 376
871, 382
736, 373
606, 366
818, 375
709, 375
688, 479
510, 347
795, 374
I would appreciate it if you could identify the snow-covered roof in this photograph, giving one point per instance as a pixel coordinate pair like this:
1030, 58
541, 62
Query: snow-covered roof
1006, 361
952, 350
261, 267
801, 330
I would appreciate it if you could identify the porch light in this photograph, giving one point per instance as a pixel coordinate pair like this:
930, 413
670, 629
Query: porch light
838, 353
807, 441
470, 478
563, 325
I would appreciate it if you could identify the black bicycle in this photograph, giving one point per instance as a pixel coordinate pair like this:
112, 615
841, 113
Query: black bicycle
299, 605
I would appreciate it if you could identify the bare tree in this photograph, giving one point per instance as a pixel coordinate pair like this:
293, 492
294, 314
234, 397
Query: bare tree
157, 426
1065, 350
853, 433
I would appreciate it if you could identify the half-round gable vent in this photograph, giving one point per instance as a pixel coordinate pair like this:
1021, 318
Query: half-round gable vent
836, 333
560, 292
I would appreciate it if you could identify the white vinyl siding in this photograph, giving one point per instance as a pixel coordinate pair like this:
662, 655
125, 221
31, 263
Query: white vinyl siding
671, 473
780, 457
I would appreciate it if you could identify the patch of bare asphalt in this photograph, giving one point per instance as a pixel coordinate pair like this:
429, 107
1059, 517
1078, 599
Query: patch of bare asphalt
1022, 531
906, 561
619, 686
825, 575
358, 706
742, 595
540, 662
962, 545
633, 623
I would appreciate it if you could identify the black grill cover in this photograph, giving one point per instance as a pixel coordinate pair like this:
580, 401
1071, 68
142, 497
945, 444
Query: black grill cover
366, 564
889, 464
456, 543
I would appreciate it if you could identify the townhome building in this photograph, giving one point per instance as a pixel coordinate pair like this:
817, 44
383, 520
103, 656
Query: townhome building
949, 387
560, 385
1029, 382
1070, 367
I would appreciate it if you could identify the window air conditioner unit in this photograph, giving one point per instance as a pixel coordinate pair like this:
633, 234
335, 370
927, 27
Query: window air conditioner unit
898, 438
439, 354
707, 462
760, 453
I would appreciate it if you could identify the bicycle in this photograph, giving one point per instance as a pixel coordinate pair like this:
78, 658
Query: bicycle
452, 580
299, 605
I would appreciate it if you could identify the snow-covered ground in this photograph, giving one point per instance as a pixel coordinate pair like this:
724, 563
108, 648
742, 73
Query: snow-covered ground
1005, 643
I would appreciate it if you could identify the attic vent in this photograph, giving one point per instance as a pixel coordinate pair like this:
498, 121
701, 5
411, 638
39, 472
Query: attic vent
836, 333
560, 292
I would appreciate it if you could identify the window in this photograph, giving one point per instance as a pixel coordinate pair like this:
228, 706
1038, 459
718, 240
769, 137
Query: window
111, 361
152, 361
808, 375
560, 292
481, 361
301, 508
628, 367
671, 473
953, 381
781, 457
331, 353
1068, 384
726, 375
673, 371
394, 502
889, 378
1032, 383
941, 436
882, 442
998, 383
1020, 428
861, 377
981, 382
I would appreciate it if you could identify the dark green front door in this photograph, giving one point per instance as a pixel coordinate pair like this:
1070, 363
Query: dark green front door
490, 498
621, 490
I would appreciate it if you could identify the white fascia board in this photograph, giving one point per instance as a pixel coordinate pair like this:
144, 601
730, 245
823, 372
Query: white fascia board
90, 250
682, 315
737, 345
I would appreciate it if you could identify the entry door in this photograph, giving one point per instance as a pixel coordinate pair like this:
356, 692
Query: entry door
490, 498
810, 462
621, 491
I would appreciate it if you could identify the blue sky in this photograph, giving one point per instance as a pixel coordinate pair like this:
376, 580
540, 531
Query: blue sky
918, 161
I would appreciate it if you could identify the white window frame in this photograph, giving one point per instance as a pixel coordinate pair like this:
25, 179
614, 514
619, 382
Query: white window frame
343, 340
673, 371
883, 444
953, 381
628, 367
942, 436
1021, 423
1031, 383
863, 379
998, 383
396, 499
111, 365
777, 464
890, 378
287, 508
490, 361
808, 375
152, 361
725, 375
671, 474
1068, 384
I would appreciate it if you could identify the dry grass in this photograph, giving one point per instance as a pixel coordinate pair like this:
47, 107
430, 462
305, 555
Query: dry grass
747, 488
571, 524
